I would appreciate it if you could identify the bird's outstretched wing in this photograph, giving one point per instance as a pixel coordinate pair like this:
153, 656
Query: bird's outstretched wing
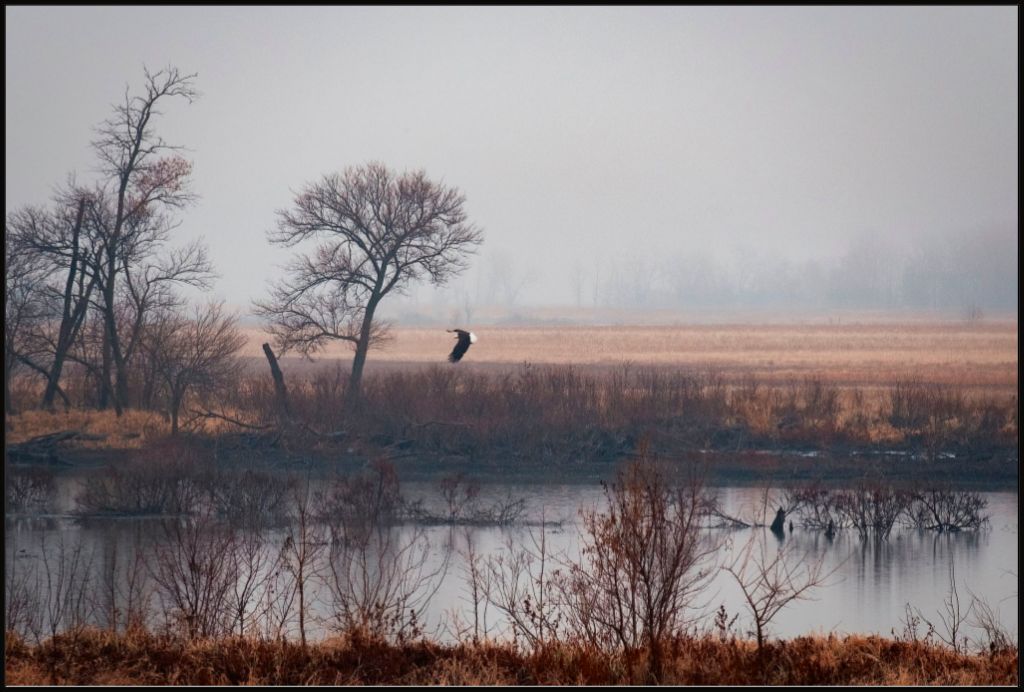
460, 350
460, 347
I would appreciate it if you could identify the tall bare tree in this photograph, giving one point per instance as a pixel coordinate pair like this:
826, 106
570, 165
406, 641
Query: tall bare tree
378, 232
60, 240
24, 309
146, 181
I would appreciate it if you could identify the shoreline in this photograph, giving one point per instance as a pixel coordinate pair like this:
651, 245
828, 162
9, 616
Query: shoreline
995, 469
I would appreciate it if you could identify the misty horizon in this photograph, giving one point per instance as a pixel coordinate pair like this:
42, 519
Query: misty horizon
688, 159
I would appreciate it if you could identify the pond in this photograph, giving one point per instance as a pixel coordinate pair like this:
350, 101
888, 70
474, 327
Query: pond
869, 586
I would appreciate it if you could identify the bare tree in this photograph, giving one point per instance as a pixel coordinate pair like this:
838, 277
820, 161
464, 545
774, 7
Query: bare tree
770, 582
132, 214
506, 281
148, 292
24, 308
379, 231
193, 353
577, 280
61, 242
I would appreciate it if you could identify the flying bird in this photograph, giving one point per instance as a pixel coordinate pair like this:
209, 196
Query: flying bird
465, 339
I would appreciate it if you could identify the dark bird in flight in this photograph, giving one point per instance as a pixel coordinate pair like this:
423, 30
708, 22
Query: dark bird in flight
465, 339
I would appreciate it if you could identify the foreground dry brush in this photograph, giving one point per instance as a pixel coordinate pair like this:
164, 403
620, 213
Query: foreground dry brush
143, 658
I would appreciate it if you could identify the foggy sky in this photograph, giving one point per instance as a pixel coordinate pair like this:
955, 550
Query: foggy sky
584, 138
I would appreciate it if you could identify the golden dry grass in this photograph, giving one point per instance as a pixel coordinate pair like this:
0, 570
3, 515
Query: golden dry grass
868, 354
133, 430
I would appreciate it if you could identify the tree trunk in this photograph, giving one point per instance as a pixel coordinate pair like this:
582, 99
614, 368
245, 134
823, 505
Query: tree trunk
175, 406
104, 401
8, 404
355, 383
51, 381
70, 317
111, 342
284, 410
655, 665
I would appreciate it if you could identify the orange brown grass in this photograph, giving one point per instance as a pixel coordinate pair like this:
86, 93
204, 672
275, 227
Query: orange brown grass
90, 657
133, 430
870, 354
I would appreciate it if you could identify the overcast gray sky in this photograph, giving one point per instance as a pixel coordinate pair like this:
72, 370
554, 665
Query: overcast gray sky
576, 133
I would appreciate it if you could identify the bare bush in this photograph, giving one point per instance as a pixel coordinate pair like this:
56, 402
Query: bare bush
143, 487
459, 494
645, 561
994, 635
123, 592
818, 507
946, 510
194, 574
360, 501
522, 585
953, 617
303, 546
908, 404
770, 582
478, 581
503, 512
65, 585
872, 508
251, 499
30, 490
379, 575
164, 478
810, 407
253, 566
22, 610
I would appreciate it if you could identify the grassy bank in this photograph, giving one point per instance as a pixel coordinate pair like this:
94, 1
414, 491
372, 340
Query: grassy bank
571, 422
94, 657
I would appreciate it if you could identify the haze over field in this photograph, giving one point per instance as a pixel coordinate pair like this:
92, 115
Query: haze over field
685, 159
971, 356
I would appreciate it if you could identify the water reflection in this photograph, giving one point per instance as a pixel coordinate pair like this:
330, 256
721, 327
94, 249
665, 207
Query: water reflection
872, 582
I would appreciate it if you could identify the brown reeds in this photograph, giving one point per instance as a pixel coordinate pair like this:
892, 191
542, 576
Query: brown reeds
142, 658
559, 411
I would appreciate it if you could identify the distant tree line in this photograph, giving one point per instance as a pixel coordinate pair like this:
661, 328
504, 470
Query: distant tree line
954, 274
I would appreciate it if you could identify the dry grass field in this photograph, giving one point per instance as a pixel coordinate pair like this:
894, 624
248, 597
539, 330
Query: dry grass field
938, 386
972, 356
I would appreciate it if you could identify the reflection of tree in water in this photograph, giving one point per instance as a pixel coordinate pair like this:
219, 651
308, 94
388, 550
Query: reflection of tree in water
881, 577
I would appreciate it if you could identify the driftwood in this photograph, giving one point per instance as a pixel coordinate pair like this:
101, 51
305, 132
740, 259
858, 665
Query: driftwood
451, 424
44, 448
219, 416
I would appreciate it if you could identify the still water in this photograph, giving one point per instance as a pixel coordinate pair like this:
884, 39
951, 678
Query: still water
869, 587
